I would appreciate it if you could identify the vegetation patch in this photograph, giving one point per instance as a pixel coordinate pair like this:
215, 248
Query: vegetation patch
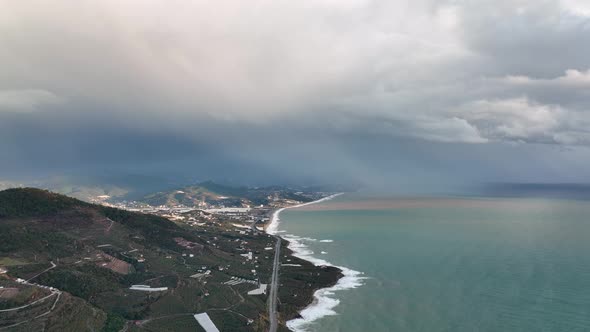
83, 281
9, 261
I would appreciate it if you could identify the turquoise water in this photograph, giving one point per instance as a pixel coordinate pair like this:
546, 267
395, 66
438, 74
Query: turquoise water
454, 265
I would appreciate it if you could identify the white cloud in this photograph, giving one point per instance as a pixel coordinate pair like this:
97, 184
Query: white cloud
26, 100
522, 120
577, 7
446, 130
261, 57
572, 78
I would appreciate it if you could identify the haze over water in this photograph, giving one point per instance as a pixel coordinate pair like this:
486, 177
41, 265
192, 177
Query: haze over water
453, 264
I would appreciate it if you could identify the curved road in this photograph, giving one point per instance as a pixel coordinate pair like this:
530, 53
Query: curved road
274, 286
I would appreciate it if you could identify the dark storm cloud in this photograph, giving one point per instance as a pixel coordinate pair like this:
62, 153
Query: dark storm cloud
286, 152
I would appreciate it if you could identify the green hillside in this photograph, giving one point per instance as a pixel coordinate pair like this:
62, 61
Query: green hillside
92, 255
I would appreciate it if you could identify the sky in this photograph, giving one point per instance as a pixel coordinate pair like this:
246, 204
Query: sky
380, 93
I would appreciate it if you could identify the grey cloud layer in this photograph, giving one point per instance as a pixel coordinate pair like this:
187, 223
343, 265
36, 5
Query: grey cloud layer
424, 67
188, 72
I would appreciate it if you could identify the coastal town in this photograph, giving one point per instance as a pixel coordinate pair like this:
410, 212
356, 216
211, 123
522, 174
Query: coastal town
220, 252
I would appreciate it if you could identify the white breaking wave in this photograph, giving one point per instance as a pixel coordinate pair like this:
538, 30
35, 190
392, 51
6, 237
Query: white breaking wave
324, 301
309, 239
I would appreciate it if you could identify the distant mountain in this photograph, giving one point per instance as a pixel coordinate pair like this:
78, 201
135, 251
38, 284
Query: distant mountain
214, 193
157, 190
88, 188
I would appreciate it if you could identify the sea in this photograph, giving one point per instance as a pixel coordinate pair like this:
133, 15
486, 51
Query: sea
430, 264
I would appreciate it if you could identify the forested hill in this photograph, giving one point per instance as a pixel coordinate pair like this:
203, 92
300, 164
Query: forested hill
33, 202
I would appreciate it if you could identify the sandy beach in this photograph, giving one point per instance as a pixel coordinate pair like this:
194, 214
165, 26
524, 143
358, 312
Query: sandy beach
272, 227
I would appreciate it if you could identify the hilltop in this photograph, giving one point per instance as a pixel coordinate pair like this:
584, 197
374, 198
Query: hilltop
30, 202
87, 187
91, 255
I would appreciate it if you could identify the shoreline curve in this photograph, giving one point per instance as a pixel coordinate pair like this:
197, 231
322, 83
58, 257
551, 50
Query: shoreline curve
323, 304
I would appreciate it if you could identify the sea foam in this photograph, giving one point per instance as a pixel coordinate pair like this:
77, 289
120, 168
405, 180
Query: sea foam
324, 300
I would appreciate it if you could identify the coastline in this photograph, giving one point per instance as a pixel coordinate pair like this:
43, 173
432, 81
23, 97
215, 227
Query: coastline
322, 302
272, 227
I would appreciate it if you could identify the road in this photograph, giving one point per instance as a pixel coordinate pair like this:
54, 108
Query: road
110, 226
52, 267
32, 303
53, 292
274, 287
39, 316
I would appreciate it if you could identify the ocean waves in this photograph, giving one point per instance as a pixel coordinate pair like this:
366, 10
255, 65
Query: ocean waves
325, 300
